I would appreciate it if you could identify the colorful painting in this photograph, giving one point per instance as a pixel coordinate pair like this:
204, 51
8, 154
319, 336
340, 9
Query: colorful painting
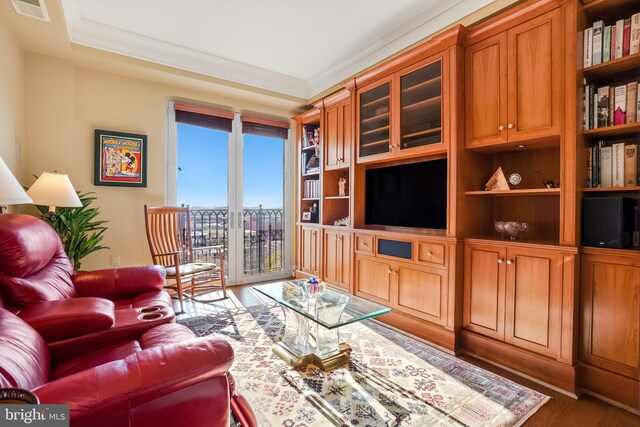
120, 159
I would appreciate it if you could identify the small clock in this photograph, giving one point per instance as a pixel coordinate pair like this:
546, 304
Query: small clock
515, 179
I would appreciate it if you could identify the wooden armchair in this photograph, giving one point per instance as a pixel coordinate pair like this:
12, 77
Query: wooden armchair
170, 242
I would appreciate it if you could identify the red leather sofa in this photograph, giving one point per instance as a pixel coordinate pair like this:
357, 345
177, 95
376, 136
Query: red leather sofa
104, 342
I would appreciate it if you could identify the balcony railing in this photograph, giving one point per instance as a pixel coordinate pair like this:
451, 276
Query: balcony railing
263, 242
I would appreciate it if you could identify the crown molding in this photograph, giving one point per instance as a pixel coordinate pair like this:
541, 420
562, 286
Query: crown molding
433, 17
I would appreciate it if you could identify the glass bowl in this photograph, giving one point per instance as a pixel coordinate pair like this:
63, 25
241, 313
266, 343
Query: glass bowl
513, 229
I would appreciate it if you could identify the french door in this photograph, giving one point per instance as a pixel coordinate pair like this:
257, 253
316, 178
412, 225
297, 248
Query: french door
238, 189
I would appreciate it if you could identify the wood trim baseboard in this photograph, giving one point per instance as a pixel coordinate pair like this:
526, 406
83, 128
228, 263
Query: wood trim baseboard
619, 390
542, 368
436, 335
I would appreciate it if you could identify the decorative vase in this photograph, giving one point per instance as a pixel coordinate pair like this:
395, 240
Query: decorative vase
313, 288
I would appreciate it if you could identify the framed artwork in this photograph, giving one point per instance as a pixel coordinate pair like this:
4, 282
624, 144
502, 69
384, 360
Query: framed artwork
120, 159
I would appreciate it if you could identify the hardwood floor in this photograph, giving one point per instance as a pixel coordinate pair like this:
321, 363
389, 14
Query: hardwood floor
560, 411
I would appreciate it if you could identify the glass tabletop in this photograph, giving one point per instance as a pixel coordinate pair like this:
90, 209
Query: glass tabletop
331, 309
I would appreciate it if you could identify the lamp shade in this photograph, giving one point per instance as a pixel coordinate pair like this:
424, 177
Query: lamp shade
54, 189
11, 192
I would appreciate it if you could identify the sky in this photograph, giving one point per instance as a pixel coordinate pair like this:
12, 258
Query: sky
203, 168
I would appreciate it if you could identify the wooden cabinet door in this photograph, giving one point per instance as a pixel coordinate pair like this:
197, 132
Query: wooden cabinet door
344, 260
486, 92
345, 133
307, 250
610, 310
331, 256
423, 92
310, 250
535, 75
374, 120
533, 300
373, 279
331, 137
484, 282
421, 292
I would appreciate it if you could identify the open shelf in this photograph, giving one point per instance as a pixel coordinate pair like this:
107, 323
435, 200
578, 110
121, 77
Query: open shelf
605, 189
519, 192
337, 197
616, 66
310, 198
617, 130
309, 148
311, 173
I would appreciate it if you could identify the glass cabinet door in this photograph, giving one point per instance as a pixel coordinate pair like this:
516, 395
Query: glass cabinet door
421, 107
374, 120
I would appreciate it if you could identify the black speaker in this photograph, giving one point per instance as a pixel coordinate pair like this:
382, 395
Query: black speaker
607, 222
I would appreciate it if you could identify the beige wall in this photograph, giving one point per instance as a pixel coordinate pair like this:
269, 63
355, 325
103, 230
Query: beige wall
11, 100
65, 103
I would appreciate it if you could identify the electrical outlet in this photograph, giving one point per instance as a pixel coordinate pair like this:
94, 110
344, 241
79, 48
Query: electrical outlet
115, 260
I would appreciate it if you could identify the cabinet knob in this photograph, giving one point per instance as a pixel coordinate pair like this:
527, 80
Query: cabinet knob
501, 128
510, 125
389, 271
509, 262
365, 244
500, 260
337, 237
429, 253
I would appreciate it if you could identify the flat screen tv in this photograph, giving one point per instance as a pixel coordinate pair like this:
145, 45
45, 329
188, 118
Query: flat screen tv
411, 195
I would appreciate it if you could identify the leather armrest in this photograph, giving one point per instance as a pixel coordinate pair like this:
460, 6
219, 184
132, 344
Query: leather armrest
119, 283
141, 377
55, 320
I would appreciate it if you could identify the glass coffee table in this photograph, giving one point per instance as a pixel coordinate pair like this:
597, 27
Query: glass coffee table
312, 325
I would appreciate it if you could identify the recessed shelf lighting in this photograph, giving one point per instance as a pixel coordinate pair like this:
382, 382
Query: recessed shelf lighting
521, 146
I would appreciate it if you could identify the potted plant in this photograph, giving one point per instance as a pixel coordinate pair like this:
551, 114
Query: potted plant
80, 233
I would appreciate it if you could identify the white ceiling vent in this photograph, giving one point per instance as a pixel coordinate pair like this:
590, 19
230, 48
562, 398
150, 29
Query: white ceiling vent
33, 8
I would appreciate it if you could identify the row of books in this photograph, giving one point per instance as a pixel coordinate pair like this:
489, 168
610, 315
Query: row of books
311, 189
614, 165
603, 43
610, 105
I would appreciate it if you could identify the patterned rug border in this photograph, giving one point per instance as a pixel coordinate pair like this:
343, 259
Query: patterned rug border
405, 341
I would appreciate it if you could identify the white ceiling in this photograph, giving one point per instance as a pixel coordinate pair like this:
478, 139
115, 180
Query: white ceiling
294, 47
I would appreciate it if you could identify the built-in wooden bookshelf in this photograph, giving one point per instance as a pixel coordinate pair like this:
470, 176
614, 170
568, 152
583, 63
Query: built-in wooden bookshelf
309, 153
609, 277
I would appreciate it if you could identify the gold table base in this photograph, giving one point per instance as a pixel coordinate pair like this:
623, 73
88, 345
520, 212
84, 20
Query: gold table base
327, 364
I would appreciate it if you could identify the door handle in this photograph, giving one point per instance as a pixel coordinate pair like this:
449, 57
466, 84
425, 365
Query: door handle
230, 220
240, 220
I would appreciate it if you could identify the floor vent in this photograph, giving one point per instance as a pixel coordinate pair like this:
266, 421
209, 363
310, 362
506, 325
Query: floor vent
33, 8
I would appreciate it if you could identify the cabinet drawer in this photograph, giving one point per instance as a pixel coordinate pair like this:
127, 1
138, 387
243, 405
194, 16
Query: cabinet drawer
364, 244
431, 253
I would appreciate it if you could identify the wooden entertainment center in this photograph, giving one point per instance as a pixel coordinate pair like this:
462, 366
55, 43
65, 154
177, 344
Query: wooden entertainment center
504, 93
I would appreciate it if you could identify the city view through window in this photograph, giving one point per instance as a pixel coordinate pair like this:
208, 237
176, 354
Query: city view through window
203, 182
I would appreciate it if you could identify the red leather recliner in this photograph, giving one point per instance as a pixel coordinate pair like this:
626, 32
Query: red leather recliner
165, 377
74, 312
104, 342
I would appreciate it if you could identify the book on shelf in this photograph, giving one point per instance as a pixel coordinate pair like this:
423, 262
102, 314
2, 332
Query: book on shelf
610, 105
635, 34
606, 44
603, 107
605, 167
626, 37
596, 55
619, 37
617, 164
630, 165
588, 49
603, 43
620, 112
632, 102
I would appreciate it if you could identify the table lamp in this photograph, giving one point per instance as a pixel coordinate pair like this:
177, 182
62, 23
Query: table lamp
54, 189
11, 192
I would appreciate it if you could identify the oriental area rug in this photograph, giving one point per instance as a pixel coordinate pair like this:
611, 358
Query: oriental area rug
391, 379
